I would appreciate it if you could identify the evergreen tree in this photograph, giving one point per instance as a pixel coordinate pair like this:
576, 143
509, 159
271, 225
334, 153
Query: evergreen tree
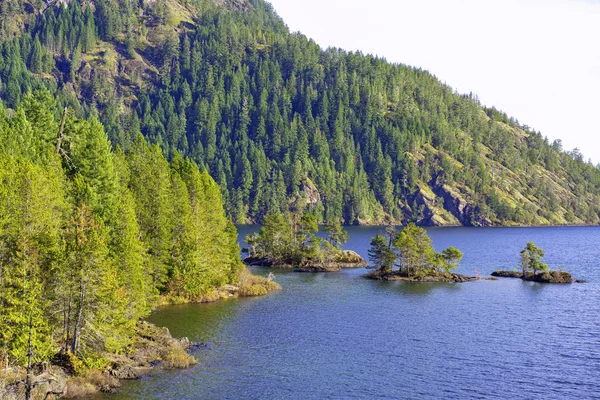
32, 205
263, 110
381, 254
531, 259
89, 237
414, 247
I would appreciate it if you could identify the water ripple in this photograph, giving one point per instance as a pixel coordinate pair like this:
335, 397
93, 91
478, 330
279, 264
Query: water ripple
338, 336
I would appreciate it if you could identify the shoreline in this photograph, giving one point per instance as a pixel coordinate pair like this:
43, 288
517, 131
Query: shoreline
401, 276
153, 348
383, 224
556, 277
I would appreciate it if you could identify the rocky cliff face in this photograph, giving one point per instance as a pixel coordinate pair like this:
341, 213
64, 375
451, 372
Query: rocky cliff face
456, 205
310, 192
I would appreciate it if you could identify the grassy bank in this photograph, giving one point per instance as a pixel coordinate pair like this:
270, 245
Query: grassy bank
248, 285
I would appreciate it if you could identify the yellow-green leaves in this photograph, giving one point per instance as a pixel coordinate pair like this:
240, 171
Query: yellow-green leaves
89, 237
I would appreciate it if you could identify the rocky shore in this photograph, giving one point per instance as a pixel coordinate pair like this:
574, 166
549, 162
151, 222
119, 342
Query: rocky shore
401, 276
152, 348
344, 259
541, 277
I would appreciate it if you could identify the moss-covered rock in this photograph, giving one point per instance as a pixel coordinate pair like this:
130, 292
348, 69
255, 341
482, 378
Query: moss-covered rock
430, 277
541, 277
342, 259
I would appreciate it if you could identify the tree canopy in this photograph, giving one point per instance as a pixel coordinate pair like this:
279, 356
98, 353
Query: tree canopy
291, 240
411, 250
276, 120
90, 236
531, 259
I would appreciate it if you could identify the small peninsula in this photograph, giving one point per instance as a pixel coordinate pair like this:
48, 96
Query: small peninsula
410, 249
290, 242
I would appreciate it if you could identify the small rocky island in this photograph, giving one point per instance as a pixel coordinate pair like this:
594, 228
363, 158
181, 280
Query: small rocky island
290, 242
410, 249
428, 277
541, 277
343, 259
534, 270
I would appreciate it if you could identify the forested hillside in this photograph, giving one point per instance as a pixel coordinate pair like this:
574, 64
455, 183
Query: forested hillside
282, 124
89, 237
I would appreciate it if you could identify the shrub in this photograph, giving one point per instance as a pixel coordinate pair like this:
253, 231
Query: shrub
78, 386
174, 357
101, 380
253, 290
255, 285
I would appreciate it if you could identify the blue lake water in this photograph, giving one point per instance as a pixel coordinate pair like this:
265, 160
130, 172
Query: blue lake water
338, 336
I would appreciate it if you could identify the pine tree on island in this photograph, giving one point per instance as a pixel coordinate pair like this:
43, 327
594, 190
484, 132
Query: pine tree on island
533, 269
412, 252
291, 241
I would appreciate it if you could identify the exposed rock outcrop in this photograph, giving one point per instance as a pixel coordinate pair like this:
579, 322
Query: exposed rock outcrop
507, 274
402, 276
344, 259
455, 203
350, 259
313, 197
542, 277
153, 347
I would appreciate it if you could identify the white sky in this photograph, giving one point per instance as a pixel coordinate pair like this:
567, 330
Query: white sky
539, 61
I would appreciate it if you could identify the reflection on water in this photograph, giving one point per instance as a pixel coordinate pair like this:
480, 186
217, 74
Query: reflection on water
421, 289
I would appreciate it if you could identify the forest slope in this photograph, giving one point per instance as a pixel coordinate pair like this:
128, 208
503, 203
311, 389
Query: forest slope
282, 124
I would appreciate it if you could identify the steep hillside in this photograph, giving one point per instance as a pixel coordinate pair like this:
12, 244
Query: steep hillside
282, 124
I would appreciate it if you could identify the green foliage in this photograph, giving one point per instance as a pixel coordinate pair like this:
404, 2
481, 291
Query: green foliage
381, 253
275, 240
278, 121
150, 186
89, 236
531, 259
292, 240
337, 235
452, 257
412, 250
31, 203
415, 249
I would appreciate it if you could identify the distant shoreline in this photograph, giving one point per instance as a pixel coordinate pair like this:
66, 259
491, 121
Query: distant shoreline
459, 226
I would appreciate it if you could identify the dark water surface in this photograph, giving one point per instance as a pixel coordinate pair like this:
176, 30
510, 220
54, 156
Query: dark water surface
338, 336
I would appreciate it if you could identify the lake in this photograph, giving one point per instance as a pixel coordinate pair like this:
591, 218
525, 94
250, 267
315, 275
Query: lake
338, 336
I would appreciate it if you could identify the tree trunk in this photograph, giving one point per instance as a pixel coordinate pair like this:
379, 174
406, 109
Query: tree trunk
61, 130
77, 328
67, 318
29, 354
